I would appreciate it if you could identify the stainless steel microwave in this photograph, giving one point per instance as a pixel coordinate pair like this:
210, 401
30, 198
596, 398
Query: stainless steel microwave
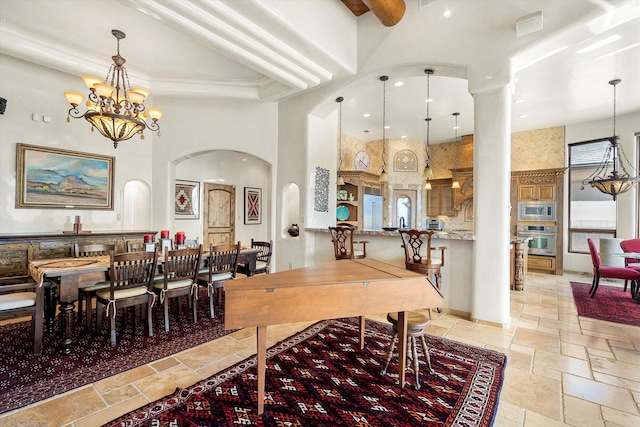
536, 211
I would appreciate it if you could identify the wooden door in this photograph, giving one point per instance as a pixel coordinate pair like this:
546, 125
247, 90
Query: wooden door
219, 214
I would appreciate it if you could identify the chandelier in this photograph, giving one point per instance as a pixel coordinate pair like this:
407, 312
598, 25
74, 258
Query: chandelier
384, 177
428, 172
113, 107
456, 183
340, 180
618, 179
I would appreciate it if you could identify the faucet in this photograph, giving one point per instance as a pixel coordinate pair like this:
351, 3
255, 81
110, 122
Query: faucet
401, 223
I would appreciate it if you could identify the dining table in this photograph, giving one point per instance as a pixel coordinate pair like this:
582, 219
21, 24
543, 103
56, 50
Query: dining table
70, 274
342, 288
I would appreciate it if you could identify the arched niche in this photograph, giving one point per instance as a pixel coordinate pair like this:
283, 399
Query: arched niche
291, 204
136, 205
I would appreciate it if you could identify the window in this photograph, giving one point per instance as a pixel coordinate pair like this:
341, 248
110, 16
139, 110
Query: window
591, 213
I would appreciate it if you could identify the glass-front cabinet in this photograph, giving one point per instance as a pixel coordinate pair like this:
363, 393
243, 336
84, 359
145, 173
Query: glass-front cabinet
440, 198
359, 201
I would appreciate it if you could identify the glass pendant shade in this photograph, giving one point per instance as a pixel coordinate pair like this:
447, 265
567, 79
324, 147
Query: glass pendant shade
384, 177
455, 184
428, 172
340, 181
427, 185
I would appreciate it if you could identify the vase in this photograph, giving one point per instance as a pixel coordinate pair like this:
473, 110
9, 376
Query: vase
294, 230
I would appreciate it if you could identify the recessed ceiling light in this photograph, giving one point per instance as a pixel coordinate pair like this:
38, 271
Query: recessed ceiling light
522, 116
387, 127
456, 127
488, 77
403, 136
601, 43
518, 101
447, 13
398, 84
366, 115
428, 100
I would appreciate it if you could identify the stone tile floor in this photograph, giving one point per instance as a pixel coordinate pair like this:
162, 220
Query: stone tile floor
562, 369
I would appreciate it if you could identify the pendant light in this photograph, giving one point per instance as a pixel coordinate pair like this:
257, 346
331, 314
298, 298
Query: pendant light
456, 183
340, 180
384, 177
613, 182
428, 172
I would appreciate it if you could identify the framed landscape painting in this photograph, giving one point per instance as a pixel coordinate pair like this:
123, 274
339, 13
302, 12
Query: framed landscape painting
252, 205
52, 178
187, 197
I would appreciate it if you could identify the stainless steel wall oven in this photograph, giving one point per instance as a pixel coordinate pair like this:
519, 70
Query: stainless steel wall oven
542, 238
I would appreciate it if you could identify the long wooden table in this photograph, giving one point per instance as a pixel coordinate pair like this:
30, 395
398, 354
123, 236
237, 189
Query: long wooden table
337, 289
74, 273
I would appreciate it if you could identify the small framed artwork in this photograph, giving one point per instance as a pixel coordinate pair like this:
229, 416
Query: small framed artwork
187, 199
53, 178
252, 205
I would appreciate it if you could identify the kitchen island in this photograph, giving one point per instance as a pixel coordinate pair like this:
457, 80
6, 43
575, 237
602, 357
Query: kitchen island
457, 271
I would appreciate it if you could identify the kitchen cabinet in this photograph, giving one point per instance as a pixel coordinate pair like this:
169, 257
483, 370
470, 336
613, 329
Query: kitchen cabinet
440, 199
356, 184
544, 191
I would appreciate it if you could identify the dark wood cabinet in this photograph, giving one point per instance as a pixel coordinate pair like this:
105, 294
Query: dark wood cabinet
17, 250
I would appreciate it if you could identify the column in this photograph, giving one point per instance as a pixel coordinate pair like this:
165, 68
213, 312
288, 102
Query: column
492, 176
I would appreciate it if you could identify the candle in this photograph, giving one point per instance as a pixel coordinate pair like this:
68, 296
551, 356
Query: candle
148, 238
164, 234
180, 237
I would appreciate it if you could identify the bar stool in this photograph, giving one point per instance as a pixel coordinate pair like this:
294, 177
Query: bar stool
416, 322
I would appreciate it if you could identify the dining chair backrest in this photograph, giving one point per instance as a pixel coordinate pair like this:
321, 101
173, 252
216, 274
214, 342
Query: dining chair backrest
135, 246
595, 256
132, 270
223, 259
342, 238
630, 245
413, 242
22, 297
266, 250
95, 249
181, 264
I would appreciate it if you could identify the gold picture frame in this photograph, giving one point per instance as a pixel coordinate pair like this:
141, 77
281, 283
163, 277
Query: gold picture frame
52, 178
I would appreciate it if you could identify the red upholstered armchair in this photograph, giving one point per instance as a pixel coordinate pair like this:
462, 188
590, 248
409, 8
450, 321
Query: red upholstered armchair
599, 271
631, 245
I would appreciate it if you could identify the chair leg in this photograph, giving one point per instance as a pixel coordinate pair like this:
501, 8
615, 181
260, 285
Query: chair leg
150, 317
212, 297
416, 362
596, 282
390, 353
426, 354
36, 330
113, 329
193, 302
80, 301
89, 305
625, 285
166, 314
98, 318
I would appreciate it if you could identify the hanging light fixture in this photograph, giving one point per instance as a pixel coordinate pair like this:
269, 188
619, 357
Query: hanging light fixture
618, 180
456, 183
428, 172
116, 110
384, 177
340, 180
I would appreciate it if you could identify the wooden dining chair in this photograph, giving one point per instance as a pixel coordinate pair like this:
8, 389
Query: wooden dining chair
222, 266
180, 273
604, 271
130, 284
343, 243
22, 297
263, 258
417, 254
87, 293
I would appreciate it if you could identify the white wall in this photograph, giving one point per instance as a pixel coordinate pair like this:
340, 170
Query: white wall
31, 89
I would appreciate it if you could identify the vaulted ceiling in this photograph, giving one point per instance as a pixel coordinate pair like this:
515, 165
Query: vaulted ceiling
267, 50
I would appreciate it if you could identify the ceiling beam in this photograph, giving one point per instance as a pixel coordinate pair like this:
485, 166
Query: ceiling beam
389, 12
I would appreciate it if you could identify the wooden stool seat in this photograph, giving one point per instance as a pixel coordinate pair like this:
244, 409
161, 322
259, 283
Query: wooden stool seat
416, 322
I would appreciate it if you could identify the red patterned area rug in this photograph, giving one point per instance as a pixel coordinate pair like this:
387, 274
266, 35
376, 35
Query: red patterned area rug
319, 377
610, 303
26, 379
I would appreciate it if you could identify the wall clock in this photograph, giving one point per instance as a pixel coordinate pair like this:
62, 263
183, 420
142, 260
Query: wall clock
361, 161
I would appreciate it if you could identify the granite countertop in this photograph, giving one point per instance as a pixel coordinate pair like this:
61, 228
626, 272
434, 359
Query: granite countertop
445, 234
